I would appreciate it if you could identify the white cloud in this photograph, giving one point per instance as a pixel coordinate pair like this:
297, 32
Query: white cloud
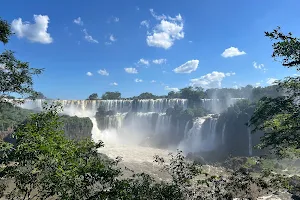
112, 38
107, 43
145, 23
103, 72
231, 52
166, 32
230, 74
171, 89
36, 32
259, 66
114, 83
113, 19
159, 61
187, 67
190, 41
88, 37
271, 81
143, 61
138, 80
131, 70
89, 73
78, 21
257, 84
153, 81
210, 80
116, 19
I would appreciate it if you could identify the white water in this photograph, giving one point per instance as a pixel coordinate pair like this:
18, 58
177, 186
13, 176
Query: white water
199, 138
223, 133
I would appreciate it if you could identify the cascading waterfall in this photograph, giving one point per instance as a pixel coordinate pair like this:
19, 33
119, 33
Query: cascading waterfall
201, 137
129, 119
223, 133
134, 121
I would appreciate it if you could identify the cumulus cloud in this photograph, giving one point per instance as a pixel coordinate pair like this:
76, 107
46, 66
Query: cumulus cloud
103, 72
171, 89
131, 70
145, 23
35, 32
112, 38
210, 80
89, 74
271, 81
138, 80
78, 21
88, 37
166, 32
143, 61
187, 67
114, 83
153, 81
231, 52
259, 66
159, 61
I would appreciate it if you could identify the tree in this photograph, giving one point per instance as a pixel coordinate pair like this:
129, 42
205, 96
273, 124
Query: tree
279, 117
93, 96
111, 95
37, 95
146, 95
15, 75
173, 95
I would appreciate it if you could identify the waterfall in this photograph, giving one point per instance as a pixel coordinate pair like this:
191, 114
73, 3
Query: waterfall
119, 106
201, 137
223, 133
132, 121
186, 128
192, 137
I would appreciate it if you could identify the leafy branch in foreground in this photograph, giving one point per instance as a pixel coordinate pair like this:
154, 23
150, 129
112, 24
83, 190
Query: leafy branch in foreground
279, 117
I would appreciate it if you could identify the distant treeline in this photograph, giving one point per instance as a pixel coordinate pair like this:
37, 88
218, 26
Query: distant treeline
197, 93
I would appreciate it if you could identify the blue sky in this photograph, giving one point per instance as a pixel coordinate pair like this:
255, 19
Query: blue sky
164, 45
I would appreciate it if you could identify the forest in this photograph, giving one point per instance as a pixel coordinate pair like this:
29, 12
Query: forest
48, 161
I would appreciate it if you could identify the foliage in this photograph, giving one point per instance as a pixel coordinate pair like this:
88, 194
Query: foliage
5, 31
15, 75
111, 95
279, 117
93, 96
37, 95
11, 116
48, 164
147, 95
173, 95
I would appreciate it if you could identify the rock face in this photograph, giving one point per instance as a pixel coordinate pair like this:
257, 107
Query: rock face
77, 127
294, 182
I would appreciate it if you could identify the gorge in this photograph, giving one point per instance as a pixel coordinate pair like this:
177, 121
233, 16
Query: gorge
162, 123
